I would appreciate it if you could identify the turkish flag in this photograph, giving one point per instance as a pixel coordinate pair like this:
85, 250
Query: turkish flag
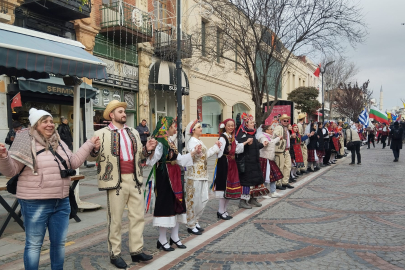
318, 71
16, 101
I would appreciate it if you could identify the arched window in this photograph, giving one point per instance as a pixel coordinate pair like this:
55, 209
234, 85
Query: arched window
209, 111
237, 111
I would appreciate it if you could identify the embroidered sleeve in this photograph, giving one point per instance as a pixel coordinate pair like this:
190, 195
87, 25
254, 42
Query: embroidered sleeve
156, 156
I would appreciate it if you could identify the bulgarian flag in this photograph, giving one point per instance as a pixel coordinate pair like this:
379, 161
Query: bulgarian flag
378, 116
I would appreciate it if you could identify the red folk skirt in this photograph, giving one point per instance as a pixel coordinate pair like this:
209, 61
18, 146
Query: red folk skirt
336, 143
299, 158
233, 188
311, 155
275, 173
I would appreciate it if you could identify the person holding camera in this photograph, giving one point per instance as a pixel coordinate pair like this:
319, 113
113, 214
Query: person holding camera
45, 164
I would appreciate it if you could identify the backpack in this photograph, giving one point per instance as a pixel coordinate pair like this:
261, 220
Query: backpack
396, 134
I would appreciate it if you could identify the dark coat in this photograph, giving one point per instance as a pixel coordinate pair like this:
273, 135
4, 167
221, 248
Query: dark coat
253, 173
396, 143
312, 141
321, 140
66, 135
141, 130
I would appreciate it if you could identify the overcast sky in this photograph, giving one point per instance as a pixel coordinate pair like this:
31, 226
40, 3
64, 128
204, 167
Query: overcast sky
381, 58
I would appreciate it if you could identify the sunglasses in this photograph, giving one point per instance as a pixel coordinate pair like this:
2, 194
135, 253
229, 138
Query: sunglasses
286, 120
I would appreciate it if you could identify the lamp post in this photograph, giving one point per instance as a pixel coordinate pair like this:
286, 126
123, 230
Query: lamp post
179, 88
323, 100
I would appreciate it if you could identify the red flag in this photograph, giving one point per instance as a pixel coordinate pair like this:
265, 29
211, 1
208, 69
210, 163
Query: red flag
318, 71
16, 101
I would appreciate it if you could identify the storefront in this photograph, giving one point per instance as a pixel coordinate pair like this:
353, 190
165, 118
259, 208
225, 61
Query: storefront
121, 84
50, 95
162, 90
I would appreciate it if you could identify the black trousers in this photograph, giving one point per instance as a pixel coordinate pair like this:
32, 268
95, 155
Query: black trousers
383, 140
356, 151
371, 138
379, 137
396, 152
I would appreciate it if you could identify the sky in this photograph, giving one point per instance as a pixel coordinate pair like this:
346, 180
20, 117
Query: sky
381, 58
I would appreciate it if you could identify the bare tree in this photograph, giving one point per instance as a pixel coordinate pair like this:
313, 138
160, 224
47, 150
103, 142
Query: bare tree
261, 37
351, 99
340, 71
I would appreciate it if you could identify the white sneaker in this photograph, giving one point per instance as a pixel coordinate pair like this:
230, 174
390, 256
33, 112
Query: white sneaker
266, 197
276, 195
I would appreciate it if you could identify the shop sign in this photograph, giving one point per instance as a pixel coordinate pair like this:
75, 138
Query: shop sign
277, 111
121, 75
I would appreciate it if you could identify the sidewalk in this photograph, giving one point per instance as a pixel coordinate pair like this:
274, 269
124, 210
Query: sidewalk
342, 217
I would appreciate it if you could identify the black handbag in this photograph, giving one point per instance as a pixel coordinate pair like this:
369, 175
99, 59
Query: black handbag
350, 145
72, 198
12, 183
240, 163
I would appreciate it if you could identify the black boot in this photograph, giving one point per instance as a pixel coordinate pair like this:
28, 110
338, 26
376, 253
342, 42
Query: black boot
119, 263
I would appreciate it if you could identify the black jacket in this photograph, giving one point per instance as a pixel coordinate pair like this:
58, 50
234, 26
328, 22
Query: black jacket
65, 135
321, 141
312, 141
396, 143
253, 173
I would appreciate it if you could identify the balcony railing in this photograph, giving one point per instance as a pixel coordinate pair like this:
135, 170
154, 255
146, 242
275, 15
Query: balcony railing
165, 44
136, 22
66, 10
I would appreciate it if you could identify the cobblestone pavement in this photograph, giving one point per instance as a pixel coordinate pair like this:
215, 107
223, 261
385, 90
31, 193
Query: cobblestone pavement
348, 217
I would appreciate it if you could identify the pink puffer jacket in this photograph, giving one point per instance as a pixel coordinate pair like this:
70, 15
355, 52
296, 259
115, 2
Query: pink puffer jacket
48, 184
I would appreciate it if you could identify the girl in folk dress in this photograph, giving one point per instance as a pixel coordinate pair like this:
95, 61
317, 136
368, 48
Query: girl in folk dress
226, 180
251, 178
170, 208
271, 171
295, 150
197, 177
313, 141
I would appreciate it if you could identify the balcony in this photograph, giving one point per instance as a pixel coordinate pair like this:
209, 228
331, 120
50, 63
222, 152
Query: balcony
65, 10
165, 44
125, 23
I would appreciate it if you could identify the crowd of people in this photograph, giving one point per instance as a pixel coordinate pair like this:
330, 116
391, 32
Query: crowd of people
253, 161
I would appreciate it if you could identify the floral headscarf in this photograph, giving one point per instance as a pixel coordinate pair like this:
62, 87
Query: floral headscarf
245, 118
161, 135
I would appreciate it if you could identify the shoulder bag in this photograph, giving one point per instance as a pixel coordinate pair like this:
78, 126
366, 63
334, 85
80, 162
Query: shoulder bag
12, 183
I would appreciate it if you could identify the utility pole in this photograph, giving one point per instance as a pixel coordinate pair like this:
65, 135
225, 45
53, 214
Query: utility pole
179, 88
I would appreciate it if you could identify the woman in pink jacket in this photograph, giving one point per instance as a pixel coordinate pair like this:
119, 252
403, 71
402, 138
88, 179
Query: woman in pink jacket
43, 185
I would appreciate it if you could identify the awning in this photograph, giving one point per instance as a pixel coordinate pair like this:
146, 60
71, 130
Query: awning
318, 113
163, 76
55, 86
31, 54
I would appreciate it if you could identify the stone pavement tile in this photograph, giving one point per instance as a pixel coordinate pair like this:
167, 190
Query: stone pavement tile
286, 210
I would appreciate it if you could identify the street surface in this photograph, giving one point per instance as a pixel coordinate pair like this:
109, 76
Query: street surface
343, 217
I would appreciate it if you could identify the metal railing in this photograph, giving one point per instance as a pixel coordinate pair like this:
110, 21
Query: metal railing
165, 42
123, 14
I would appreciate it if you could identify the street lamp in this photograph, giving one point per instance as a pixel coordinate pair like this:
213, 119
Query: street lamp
323, 101
179, 86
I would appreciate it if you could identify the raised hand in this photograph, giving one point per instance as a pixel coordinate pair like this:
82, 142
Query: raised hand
198, 149
249, 141
265, 143
294, 135
218, 143
3, 150
151, 145
96, 141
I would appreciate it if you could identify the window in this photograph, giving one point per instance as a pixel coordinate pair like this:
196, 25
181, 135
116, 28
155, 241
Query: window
203, 40
219, 45
211, 114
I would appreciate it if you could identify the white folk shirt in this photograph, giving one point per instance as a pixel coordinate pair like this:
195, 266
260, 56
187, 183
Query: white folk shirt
126, 153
